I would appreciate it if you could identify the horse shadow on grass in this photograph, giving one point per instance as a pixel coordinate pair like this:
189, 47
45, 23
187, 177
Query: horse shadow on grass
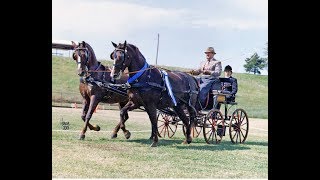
197, 145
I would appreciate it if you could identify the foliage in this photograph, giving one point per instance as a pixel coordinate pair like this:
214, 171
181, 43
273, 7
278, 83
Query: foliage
255, 64
266, 53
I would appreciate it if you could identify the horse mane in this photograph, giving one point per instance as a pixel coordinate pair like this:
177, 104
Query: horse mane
91, 51
94, 56
136, 51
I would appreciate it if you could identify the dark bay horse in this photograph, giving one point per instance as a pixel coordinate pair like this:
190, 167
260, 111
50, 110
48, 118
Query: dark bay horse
92, 94
148, 87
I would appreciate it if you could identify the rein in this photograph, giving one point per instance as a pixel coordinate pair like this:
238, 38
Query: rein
124, 73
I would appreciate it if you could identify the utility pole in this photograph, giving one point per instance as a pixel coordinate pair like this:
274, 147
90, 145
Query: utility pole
157, 51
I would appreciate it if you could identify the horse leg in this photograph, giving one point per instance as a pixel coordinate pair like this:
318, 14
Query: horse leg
152, 112
86, 103
179, 110
92, 106
126, 133
123, 117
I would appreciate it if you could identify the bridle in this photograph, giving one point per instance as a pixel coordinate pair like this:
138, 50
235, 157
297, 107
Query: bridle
86, 53
122, 61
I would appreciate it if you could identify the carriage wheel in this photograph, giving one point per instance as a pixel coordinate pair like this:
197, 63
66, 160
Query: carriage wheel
213, 127
195, 130
239, 126
167, 125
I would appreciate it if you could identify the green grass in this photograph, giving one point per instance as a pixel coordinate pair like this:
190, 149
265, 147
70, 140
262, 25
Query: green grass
252, 93
99, 156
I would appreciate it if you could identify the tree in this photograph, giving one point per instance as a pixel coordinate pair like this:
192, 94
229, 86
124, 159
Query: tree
266, 53
255, 64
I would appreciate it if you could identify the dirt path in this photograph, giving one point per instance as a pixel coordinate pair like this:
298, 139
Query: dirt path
256, 126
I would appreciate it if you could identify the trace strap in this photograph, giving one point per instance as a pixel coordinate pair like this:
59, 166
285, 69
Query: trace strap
138, 74
166, 80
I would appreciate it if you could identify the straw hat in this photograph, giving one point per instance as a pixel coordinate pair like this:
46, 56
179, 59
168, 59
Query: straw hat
210, 49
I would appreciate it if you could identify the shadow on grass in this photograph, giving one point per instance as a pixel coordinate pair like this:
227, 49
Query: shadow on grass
256, 143
176, 143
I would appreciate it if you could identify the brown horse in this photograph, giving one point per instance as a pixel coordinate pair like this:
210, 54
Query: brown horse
90, 68
150, 87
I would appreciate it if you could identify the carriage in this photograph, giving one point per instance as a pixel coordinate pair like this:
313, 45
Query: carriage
147, 90
213, 123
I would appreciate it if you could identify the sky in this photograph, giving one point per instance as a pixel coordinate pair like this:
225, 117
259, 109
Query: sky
235, 28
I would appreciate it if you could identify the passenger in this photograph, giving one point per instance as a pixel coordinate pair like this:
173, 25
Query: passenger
208, 74
229, 87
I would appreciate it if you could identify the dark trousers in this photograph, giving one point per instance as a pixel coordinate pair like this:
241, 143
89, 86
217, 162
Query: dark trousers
205, 87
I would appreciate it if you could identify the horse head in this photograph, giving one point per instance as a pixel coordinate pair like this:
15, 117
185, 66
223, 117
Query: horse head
84, 56
120, 59
126, 56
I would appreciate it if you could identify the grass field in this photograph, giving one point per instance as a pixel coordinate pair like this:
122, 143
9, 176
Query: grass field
99, 156
252, 89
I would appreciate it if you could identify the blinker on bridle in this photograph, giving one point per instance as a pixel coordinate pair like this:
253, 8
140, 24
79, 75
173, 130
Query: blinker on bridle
122, 57
86, 54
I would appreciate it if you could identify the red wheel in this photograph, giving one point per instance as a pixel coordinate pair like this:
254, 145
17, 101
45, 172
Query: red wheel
167, 125
195, 130
239, 126
213, 127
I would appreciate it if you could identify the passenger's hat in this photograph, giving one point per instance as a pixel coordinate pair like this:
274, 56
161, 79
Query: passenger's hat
210, 49
228, 68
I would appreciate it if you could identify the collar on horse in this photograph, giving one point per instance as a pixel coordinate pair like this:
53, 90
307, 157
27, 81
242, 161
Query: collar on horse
137, 75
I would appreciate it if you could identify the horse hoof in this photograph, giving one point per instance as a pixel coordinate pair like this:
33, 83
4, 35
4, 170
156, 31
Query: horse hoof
97, 128
127, 134
154, 144
114, 135
82, 136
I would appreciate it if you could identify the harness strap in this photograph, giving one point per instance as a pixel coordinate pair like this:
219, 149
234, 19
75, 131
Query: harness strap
148, 84
138, 74
168, 85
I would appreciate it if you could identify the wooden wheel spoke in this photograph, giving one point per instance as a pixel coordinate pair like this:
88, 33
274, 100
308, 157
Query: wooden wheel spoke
234, 135
165, 129
161, 125
210, 134
163, 116
171, 129
197, 130
242, 134
162, 128
243, 124
245, 129
168, 131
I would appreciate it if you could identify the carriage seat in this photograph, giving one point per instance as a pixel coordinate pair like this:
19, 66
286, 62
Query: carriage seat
217, 88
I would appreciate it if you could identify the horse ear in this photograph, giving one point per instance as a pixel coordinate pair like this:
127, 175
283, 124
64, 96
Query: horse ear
114, 44
84, 44
74, 44
111, 55
125, 43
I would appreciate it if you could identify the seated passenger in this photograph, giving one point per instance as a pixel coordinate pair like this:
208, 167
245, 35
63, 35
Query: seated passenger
208, 73
229, 87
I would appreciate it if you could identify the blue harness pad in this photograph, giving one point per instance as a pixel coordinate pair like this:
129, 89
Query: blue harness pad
137, 75
168, 86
